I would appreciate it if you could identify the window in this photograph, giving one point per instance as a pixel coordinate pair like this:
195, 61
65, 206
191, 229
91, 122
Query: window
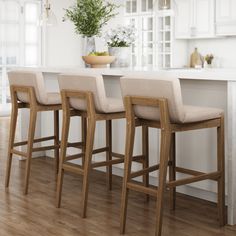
20, 40
152, 47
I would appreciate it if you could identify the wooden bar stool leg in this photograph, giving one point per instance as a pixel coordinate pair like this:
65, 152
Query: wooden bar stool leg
221, 168
130, 135
109, 153
164, 157
13, 123
84, 133
172, 172
87, 163
56, 141
145, 152
32, 125
64, 142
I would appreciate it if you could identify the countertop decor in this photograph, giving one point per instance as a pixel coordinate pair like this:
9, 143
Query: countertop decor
98, 61
89, 17
119, 41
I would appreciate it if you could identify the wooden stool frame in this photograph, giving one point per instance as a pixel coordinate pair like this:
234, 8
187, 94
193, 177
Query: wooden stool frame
88, 123
167, 158
34, 108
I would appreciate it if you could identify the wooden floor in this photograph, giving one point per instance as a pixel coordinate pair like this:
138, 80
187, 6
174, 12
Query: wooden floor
36, 215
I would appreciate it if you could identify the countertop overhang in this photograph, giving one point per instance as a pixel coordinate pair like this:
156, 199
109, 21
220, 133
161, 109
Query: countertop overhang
215, 74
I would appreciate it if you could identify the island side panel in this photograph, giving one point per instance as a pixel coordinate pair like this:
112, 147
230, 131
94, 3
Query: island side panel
197, 150
231, 157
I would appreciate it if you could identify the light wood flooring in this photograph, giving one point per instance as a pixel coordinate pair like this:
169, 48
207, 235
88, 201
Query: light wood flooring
36, 214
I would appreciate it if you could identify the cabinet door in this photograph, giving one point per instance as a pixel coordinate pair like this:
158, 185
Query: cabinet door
183, 19
204, 18
223, 10
225, 17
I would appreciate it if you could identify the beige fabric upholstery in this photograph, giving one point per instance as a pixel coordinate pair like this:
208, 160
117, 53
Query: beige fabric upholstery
165, 86
194, 113
36, 80
95, 84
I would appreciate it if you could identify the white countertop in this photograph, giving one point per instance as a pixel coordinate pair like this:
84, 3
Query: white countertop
218, 74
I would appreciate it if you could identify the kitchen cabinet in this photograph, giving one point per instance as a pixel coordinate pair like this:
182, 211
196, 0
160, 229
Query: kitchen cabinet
194, 19
225, 17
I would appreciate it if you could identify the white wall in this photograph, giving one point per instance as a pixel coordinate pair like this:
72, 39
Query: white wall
222, 48
63, 46
180, 53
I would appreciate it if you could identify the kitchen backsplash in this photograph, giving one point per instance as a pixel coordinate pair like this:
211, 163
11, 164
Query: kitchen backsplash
223, 50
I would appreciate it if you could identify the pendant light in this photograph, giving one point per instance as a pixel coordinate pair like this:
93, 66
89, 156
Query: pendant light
48, 17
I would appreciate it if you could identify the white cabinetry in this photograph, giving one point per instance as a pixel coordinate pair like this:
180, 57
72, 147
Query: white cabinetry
194, 19
226, 17
153, 23
183, 20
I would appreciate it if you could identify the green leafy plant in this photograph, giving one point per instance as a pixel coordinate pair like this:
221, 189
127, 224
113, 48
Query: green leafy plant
122, 36
89, 16
209, 58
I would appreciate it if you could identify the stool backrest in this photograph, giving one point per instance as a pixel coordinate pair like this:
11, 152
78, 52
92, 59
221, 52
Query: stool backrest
85, 83
29, 79
158, 86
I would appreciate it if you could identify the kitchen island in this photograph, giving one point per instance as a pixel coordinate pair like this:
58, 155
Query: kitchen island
206, 87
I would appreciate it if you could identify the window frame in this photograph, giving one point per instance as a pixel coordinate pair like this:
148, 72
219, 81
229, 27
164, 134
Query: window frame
20, 45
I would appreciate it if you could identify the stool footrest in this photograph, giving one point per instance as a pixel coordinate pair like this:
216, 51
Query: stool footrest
35, 141
138, 158
188, 171
107, 163
144, 171
78, 145
117, 155
142, 189
99, 150
212, 176
74, 168
39, 149
75, 156
19, 153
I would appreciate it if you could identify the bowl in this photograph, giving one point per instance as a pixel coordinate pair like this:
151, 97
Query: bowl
98, 61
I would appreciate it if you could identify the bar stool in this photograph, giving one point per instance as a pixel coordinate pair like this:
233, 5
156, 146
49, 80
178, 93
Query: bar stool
28, 91
157, 102
84, 96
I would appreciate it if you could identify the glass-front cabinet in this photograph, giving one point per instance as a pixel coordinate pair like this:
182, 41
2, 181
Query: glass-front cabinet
153, 21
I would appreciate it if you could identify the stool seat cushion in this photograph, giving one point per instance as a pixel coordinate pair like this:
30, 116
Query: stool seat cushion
53, 99
191, 114
195, 114
113, 105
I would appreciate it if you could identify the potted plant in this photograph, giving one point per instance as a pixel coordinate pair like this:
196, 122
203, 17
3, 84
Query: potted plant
89, 16
119, 41
209, 58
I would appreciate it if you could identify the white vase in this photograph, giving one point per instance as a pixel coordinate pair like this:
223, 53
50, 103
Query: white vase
122, 54
89, 46
206, 65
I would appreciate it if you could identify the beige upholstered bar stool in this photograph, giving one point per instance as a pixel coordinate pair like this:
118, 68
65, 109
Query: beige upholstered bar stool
84, 96
28, 91
157, 102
